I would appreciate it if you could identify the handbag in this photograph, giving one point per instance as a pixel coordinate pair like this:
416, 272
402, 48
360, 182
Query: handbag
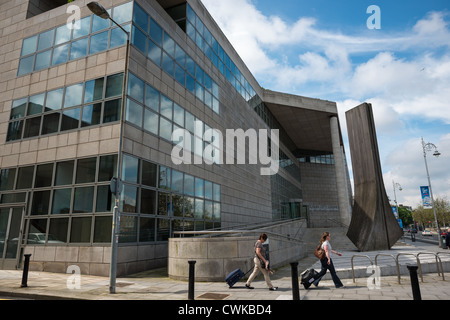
319, 253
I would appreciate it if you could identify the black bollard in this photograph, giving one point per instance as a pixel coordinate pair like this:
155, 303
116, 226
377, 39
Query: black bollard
191, 280
26, 265
414, 282
294, 275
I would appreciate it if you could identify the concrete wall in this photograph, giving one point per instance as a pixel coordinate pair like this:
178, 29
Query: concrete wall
217, 257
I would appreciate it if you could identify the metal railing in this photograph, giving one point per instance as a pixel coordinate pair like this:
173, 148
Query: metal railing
353, 269
439, 266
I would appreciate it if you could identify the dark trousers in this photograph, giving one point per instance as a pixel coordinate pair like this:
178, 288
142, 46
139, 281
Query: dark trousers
323, 271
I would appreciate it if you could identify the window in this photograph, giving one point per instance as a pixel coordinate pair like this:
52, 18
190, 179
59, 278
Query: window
64, 173
91, 115
81, 230
41, 202
93, 90
149, 173
86, 170
44, 174
130, 168
58, 230
107, 168
114, 85
147, 229
61, 201
99, 42
148, 201
102, 230
70, 119
83, 200
23, 177
7, 177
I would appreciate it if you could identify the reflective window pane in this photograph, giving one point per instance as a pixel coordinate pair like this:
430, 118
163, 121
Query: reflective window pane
18, 108
166, 107
188, 185
139, 40
62, 34
163, 229
107, 168
64, 173
99, 42
152, 97
199, 188
177, 181
151, 120
149, 173
178, 115
36, 104
7, 177
199, 209
147, 229
128, 229
57, 232
93, 90
154, 52
105, 199
25, 65
25, 177
140, 17
14, 130
45, 40
118, 37
165, 129
91, 115
169, 45
32, 127
164, 204
36, 231
102, 229
111, 110
80, 231
86, 170
44, 175
82, 28
134, 113
148, 201
70, 119
61, 201
155, 32
135, 87
29, 45
130, 168
54, 99
122, 13
78, 49
41, 202
83, 200
100, 23
50, 124
73, 95
114, 85
128, 199
42, 60
164, 177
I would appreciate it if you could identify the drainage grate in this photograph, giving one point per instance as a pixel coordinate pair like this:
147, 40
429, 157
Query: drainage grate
213, 296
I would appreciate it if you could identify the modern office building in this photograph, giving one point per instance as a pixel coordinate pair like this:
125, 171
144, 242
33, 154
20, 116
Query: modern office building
78, 109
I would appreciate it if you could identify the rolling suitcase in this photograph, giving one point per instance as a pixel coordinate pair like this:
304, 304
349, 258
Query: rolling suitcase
235, 276
308, 277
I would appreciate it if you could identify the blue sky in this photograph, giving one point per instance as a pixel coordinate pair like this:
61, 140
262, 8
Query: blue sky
324, 49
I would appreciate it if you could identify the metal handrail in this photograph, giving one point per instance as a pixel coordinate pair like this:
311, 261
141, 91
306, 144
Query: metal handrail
418, 264
362, 256
437, 265
387, 255
210, 233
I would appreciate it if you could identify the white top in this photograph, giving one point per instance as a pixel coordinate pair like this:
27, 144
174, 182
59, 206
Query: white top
326, 243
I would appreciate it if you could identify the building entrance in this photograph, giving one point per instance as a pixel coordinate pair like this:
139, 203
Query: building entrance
11, 234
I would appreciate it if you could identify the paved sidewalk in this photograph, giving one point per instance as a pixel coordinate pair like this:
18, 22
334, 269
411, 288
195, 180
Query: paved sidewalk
155, 285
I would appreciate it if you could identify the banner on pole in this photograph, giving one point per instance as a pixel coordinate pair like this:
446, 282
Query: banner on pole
426, 198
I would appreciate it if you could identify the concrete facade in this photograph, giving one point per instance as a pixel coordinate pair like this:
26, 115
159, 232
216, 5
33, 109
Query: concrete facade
245, 196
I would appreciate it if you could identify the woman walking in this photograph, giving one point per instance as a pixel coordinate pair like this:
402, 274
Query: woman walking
327, 263
261, 264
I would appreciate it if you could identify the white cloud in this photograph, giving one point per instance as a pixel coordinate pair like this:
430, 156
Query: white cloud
404, 75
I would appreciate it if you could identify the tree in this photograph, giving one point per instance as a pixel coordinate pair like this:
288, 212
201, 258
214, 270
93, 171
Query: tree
425, 216
406, 215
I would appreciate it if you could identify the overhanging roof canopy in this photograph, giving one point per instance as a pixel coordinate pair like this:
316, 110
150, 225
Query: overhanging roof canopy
305, 120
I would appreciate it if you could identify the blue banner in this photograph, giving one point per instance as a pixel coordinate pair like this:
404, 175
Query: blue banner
426, 198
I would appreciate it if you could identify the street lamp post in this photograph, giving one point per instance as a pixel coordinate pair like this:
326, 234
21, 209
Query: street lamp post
427, 147
98, 10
